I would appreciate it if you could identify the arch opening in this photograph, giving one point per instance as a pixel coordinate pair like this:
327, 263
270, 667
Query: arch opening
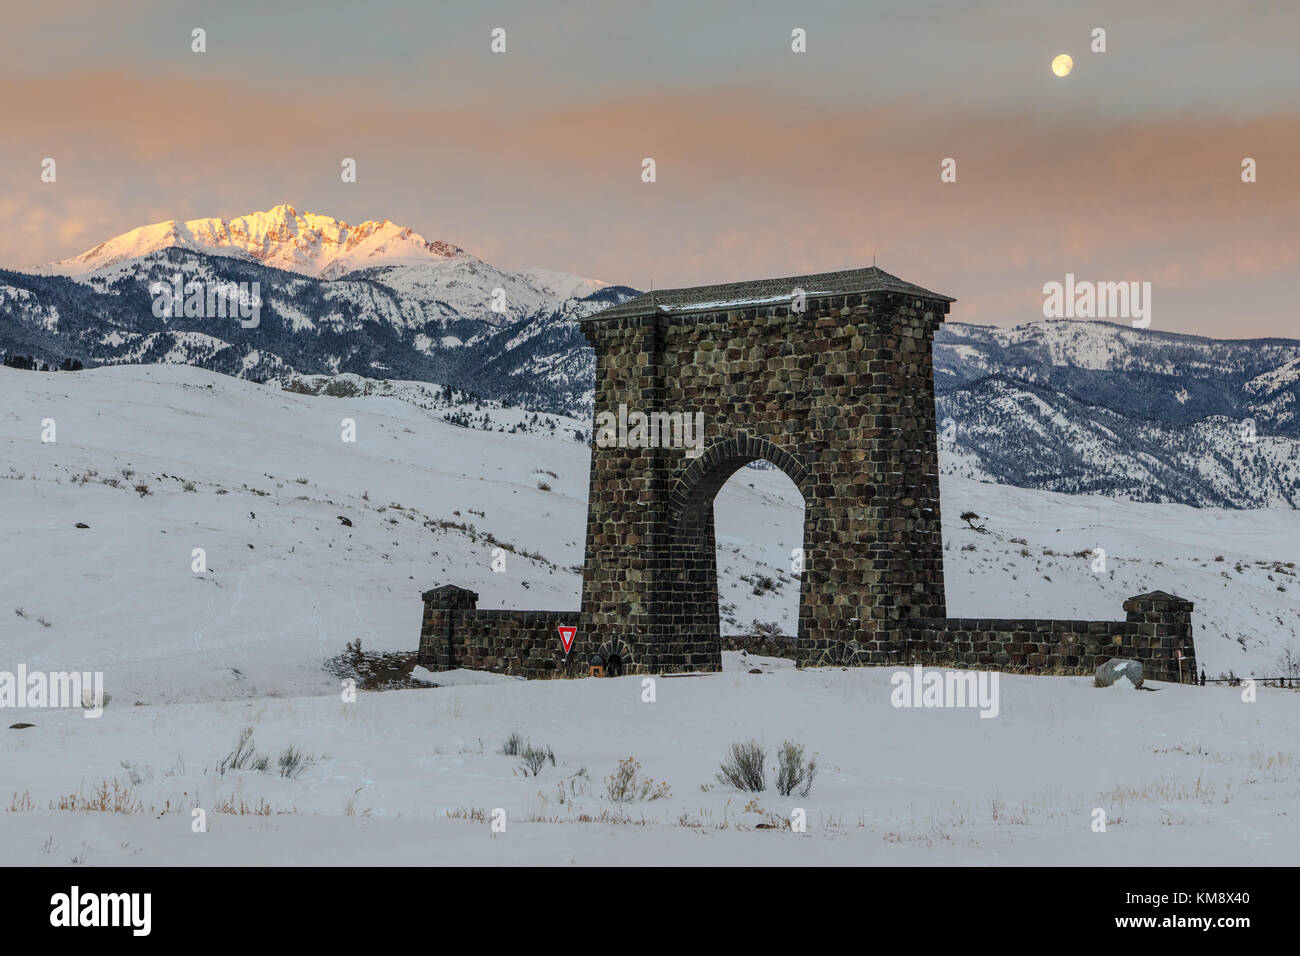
763, 539
759, 516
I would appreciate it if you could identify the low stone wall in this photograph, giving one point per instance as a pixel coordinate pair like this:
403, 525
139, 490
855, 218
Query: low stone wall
455, 633
1045, 646
1158, 627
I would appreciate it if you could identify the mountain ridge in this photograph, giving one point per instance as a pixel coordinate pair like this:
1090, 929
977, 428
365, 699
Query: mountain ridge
1074, 406
306, 242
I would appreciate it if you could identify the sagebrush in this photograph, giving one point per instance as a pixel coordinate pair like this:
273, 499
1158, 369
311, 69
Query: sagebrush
743, 767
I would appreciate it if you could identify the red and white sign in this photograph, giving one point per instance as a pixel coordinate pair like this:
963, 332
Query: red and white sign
567, 635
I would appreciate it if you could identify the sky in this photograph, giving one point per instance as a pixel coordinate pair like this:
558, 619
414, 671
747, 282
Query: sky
768, 162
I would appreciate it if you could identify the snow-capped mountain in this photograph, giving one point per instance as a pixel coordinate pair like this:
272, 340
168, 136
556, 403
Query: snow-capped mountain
1093, 407
563, 286
306, 325
1018, 433
375, 300
1072, 406
282, 237
323, 247
1157, 376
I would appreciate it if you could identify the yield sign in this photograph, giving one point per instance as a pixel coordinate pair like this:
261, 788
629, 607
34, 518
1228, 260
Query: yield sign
566, 636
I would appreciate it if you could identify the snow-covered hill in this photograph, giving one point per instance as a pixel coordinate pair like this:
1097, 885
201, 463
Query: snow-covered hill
1099, 408
1034, 436
364, 324
160, 460
1144, 374
258, 477
1071, 406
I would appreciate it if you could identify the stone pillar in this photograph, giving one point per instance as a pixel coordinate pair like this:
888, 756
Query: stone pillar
870, 444
907, 490
442, 606
626, 504
1165, 623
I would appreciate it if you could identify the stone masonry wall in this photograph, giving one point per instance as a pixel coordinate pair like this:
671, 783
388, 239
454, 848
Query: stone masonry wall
455, 633
526, 643
1157, 629
838, 396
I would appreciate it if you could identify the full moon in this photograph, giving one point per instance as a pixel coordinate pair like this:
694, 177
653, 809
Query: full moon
1062, 65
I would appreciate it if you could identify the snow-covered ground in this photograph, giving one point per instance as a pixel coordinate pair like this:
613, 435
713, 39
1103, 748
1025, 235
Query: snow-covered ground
1184, 775
258, 477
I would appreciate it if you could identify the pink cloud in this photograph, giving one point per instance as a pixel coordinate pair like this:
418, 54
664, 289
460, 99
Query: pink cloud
749, 184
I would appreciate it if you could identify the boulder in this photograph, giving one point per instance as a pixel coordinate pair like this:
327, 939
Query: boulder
1115, 669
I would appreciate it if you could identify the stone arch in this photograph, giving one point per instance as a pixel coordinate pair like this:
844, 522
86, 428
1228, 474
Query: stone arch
620, 649
704, 477
828, 376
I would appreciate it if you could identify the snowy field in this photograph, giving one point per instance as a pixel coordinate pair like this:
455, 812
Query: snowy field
1185, 776
161, 460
